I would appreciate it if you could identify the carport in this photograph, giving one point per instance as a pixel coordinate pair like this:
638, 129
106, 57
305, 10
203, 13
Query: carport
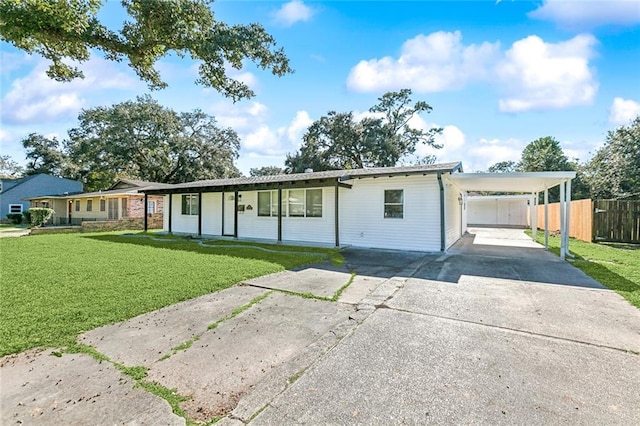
527, 183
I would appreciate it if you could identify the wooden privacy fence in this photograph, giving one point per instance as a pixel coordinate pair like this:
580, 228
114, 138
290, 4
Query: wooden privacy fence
600, 220
580, 225
615, 220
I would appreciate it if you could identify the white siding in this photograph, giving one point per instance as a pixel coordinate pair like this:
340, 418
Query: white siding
212, 213
498, 211
313, 229
182, 224
362, 221
250, 225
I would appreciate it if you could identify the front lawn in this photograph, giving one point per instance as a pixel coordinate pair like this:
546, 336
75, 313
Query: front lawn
54, 287
617, 266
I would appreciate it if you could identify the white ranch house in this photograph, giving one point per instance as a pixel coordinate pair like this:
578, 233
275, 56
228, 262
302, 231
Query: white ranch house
422, 208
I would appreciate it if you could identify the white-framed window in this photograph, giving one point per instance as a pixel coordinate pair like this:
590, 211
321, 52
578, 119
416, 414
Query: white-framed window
393, 203
151, 206
295, 203
103, 204
77, 205
190, 204
15, 208
89, 205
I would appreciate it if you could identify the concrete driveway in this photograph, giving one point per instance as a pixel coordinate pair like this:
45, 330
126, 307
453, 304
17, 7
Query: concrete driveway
497, 331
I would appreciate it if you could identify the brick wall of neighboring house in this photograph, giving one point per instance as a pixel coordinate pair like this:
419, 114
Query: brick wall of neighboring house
153, 222
135, 205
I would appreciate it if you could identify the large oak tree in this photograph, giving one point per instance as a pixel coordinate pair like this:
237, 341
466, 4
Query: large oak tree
144, 140
66, 31
339, 141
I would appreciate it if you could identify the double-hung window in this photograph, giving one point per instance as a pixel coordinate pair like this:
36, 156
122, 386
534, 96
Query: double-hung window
89, 205
190, 204
102, 205
15, 208
268, 203
393, 203
77, 205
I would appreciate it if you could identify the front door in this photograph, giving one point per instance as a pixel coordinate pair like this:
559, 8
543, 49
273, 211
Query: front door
229, 213
113, 208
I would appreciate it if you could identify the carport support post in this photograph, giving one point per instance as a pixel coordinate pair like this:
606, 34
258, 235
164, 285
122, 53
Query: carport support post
567, 196
235, 214
534, 215
337, 213
170, 210
200, 214
562, 220
279, 215
546, 219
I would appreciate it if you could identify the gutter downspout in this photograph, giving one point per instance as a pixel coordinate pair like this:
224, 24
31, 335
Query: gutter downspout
442, 233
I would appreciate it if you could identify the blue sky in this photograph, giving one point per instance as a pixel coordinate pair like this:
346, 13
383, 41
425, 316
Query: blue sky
497, 74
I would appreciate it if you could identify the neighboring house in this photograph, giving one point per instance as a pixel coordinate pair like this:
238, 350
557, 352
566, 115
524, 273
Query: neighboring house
15, 193
121, 200
421, 208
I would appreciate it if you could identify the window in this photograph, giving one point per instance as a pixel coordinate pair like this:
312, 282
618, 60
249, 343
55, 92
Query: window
77, 205
123, 208
394, 203
15, 208
296, 202
89, 205
268, 203
313, 207
190, 204
103, 205
151, 206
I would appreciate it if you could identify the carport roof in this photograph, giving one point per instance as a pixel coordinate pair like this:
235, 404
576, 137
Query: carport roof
510, 182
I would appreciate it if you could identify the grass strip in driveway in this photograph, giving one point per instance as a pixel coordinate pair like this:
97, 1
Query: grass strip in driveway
616, 266
56, 286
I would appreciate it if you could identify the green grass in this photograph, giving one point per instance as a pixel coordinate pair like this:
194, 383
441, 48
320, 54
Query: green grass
616, 266
56, 286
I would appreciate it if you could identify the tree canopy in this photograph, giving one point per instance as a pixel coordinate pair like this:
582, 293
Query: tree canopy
147, 141
43, 155
266, 171
65, 32
614, 170
503, 167
9, 168
381, 139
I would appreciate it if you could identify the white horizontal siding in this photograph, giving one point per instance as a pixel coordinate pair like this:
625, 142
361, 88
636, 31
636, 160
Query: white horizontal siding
362, 221
313, 229
453, 213
250, 225
180, 223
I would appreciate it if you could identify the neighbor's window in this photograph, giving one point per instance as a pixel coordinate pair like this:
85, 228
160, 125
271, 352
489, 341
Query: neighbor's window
103, 205
89, 205
394, 203
190, 204
15, 208
123, 208
77, 205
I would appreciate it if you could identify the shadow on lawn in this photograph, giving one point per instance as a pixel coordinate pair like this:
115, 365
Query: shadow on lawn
285, 259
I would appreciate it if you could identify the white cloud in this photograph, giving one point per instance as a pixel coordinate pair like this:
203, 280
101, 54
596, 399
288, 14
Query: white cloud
537, 75
36, 98
487, 152
292, 12
428, 63
257, 137
622, 111
582, 14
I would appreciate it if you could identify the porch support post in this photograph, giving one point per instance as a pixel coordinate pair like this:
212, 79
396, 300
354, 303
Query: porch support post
337, 213
146, 212
222, 215
567, 196
279, 215
170, 210
235, 214
443, 244
562, 221
199, 214
546, 219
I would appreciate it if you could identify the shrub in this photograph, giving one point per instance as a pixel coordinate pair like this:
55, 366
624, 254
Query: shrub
39, 215
26, 217
15, 218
